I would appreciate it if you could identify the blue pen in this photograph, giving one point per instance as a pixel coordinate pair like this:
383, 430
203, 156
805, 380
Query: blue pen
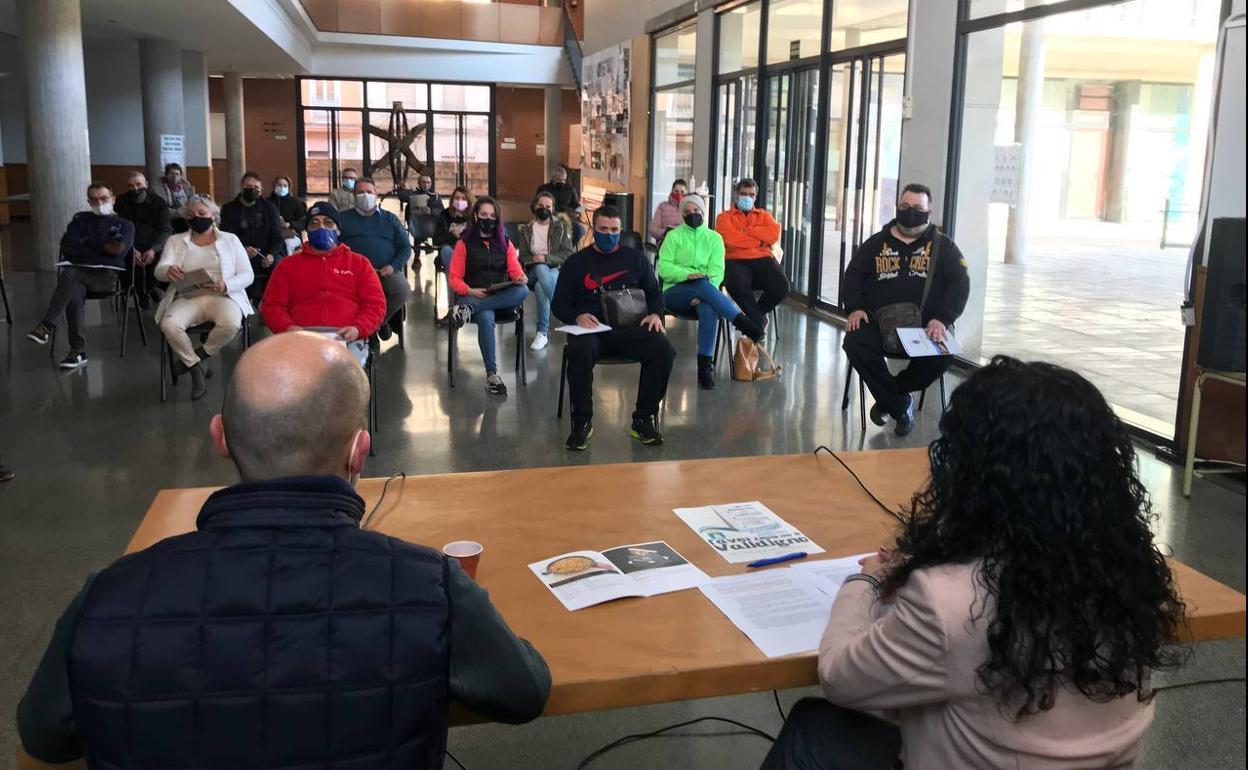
777, 559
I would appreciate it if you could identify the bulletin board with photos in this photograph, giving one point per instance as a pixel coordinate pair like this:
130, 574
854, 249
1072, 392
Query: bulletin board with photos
605, 103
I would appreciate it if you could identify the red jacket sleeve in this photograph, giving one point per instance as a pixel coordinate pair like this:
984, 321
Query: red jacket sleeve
455, 271
372, 298
767, 229
275, 306
514, 271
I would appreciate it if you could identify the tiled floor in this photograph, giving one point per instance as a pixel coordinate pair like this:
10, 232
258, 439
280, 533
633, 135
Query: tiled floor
92, 447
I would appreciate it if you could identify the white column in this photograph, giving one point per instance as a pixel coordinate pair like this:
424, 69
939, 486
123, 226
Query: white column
235, 147
554, 128
195, 102
160, 77
1028, 103
929, 88
57, 152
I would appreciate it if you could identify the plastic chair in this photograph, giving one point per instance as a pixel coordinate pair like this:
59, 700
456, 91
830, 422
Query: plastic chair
512, 315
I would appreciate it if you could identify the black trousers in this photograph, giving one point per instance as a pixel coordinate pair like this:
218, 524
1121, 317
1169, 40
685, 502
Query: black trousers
743, 277
820, 736
865, 349
654, 350
70, 297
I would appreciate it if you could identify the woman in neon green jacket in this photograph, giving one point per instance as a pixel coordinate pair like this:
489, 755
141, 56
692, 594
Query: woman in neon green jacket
691, 267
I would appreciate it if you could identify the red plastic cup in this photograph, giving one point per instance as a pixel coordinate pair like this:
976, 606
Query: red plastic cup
467, 553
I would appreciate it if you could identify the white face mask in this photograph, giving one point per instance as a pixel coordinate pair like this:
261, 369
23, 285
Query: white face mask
365, 201
281, 190
103, 209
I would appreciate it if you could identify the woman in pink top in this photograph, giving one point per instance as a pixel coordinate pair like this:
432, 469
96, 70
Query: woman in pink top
1018, 619
667, 213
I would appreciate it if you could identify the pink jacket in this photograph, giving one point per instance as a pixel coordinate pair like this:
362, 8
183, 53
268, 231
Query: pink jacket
666, 216
918, 662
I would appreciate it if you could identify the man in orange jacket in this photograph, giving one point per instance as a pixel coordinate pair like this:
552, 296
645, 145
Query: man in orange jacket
749, 233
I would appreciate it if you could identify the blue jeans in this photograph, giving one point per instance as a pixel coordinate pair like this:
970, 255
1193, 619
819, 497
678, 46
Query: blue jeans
713, 304
483, 317
545, 277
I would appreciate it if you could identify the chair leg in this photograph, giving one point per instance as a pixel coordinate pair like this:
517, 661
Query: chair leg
521, 358
943, 403
450, 352
246, 332
775, 325
138, 317
124, 319
563, 380
849, 381
4, 294
862, 403
372, 403
166, 369
922, 398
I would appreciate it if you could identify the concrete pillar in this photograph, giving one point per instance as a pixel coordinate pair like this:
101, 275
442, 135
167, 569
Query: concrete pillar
160, 77
929, 79
703, 98
235, 146
198, 133
554, 128
57, 152
1126, 94
1028, 103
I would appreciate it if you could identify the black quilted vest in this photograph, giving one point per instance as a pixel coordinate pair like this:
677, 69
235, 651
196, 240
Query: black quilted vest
484, 265
278, 635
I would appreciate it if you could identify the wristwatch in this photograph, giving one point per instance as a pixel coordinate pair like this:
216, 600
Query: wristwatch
864, 577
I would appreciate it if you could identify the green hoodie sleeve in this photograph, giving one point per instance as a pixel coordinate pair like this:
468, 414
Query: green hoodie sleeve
714, 258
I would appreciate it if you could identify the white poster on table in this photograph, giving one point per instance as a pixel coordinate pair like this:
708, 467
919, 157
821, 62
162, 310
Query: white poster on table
744, 532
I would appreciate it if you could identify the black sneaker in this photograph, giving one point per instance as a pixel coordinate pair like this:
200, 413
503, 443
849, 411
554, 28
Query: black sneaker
578, 439
495, 385
461, 315
905, 420
74, 361
40, 335
646, 431
878, 413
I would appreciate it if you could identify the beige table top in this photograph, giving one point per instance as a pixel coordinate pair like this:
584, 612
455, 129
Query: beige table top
671, 647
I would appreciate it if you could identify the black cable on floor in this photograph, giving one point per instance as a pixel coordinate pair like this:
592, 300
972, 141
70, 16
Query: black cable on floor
896, 515
627, 739
456, 761
1181, 685
369, 516
779, 708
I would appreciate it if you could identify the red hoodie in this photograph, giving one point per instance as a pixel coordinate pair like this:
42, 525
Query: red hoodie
335, 289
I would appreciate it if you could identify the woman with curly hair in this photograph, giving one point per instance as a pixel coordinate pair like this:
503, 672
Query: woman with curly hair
1019, 616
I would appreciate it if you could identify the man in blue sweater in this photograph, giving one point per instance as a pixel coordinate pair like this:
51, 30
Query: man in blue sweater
374, 232
93, 253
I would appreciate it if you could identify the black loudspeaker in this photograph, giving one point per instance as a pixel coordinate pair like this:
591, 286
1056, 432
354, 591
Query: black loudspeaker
1223, 319
624, 202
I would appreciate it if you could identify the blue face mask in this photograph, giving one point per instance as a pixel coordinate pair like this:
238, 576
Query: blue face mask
745, 203
606, 242
322, 239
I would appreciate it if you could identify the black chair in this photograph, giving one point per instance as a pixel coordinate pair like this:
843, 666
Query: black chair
632, 239
168, 377
512, 315
120, 299
862, 392
603, 361
512, 229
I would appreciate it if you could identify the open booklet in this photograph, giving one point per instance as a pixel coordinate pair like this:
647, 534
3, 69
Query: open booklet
744, 532
918, 345
584, 578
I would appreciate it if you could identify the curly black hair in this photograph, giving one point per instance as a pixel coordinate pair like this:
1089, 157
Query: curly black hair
1034, 477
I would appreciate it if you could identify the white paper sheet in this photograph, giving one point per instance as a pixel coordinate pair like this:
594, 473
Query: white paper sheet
577, 331
744, 532
918, 345
828, 574
780, 610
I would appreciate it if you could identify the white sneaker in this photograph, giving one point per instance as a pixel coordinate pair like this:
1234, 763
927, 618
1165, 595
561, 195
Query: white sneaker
539, 342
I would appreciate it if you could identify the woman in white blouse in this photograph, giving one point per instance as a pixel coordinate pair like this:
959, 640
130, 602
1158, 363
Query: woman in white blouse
220, 299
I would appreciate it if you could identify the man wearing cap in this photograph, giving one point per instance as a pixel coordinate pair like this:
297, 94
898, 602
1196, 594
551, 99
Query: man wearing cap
326, 287
691, 267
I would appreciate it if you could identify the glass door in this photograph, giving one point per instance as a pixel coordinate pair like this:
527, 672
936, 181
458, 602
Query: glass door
864, 158
738, 110
789, 165
461, 152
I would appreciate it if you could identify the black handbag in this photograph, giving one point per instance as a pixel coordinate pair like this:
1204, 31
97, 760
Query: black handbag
622, 308
906, 315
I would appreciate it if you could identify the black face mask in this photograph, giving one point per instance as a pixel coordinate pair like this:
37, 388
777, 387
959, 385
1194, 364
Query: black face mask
486, 226
250, 195
910, 218
693, 219
541, 213
140, 195
200, 224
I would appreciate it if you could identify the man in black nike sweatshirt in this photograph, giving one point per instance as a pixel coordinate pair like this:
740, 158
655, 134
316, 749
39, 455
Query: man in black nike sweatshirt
608, 266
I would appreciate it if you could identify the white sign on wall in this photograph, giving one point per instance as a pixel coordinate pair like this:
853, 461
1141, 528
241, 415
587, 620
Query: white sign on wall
1005, 166
172, 150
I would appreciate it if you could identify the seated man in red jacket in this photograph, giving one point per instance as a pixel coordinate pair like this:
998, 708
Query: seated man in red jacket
325, 287
749, 232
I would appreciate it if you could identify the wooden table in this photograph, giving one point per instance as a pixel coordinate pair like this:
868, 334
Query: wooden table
672, 647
